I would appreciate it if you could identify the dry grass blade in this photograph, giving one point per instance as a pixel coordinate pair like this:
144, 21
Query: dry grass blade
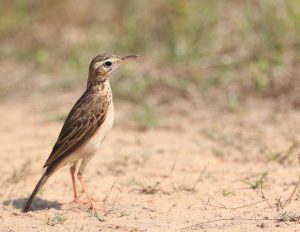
14, 181
193, 188
297, 185
283, 218
279, 204
108, 193
234, 208
153, 189
198, 180
263, 196
289, 151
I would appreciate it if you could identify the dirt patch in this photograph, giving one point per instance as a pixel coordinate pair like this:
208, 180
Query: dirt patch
207, 171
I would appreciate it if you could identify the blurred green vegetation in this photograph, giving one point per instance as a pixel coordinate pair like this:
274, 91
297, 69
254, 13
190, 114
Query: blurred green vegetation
221, 48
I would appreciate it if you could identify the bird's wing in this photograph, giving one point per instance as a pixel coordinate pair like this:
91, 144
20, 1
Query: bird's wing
85, 118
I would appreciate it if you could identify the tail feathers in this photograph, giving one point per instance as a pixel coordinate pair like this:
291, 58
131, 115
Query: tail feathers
39, 185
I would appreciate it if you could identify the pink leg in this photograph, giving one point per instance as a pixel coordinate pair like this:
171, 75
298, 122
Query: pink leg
89, 198
72, 171
79, 176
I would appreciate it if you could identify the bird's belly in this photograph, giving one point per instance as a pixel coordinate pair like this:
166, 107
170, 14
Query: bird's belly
93, 144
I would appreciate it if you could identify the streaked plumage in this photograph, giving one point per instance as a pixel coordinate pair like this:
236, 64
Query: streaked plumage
85, 127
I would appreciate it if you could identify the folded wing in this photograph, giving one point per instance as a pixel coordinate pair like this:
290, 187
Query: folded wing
85, 118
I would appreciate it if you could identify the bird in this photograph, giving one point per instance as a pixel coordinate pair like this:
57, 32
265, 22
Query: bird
88, 123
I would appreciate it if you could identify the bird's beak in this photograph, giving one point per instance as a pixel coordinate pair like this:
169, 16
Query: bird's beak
125, 58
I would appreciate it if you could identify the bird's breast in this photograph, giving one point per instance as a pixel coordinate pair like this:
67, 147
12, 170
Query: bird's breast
93, 144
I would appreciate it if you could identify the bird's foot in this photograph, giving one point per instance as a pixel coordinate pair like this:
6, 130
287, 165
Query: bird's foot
102, 210
93, 208
78, 201
75, 201
90, 203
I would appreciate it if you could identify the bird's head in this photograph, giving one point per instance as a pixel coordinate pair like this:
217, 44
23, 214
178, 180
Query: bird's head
103, 65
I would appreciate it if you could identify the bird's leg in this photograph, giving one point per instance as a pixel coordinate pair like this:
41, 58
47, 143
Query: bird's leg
72, 171
79, 176
89, 198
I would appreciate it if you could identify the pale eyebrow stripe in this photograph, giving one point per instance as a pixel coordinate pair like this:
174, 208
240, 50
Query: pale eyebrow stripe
98, 64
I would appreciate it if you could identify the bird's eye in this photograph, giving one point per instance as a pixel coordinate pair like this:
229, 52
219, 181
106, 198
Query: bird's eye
108, 63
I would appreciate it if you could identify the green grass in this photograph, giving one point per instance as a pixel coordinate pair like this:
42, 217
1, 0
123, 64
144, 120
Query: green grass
95, 214
289, 217
218, 152
282, 156
229, 48
259, 180
56, 219
145, 118
227, 192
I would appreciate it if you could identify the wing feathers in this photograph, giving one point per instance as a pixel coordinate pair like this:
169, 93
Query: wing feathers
85, 118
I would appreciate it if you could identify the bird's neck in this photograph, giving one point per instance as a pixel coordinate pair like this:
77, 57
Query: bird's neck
99, 87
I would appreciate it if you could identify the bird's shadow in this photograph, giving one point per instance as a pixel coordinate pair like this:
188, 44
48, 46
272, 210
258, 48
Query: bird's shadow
37, 205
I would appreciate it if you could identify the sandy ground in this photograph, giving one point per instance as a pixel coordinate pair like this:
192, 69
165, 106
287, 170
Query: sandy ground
201, 170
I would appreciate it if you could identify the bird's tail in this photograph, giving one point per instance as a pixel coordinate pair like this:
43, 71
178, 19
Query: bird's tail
39, 185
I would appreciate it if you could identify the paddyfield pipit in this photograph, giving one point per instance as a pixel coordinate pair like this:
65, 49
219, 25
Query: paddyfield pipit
85, 127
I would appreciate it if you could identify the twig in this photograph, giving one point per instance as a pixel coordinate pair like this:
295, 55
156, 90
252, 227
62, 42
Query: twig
237, 207
108, 193
288, 152
153, 189
288, 201
166, 176
230, 219
264, 197
198, 180
192, 189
